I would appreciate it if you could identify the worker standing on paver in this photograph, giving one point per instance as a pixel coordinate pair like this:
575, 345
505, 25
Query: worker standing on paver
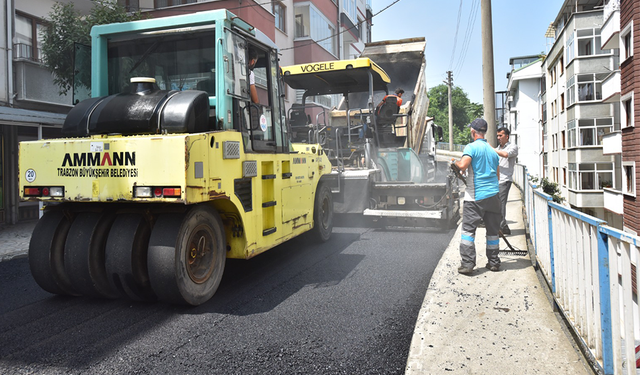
481, 201
508, 152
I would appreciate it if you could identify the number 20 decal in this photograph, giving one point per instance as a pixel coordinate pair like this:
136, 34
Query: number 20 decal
30, 175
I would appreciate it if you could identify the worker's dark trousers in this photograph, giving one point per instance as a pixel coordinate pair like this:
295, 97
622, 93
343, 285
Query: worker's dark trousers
473, 213
504, 196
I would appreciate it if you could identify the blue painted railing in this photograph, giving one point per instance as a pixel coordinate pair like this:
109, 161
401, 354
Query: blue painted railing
590, 268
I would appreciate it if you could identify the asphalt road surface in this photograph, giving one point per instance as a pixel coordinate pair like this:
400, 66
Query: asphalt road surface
347, 306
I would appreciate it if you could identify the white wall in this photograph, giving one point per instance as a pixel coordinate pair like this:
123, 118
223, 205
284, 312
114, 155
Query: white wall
41, 8
528, 128
5, 58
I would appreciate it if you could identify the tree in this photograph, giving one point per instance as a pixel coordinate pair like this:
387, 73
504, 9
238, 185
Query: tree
463, 111
66, 27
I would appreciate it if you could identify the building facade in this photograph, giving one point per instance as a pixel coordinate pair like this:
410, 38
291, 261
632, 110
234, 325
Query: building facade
523, 116
620, 32
30, 104
577, 117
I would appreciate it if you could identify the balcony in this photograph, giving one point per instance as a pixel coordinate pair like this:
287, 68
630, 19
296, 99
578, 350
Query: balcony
34, 83
611, 88
611, 27
351, 32
585, 198
612, 143
613, 201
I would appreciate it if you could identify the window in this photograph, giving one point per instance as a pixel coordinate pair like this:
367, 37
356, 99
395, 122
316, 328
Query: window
590, 176
626, 112
177, 62
279, 11
545, 164
589, 42
626, 37
561, 102
25, 45
130, 5
589, 132
170, 3
586, 42
629, 178
585, 88
571, 127
570, 47
351, 10
311, 23
561, 64
564, 176
300, 31
564, 139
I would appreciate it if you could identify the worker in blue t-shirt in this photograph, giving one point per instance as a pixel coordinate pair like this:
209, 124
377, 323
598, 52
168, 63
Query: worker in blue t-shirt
481, 200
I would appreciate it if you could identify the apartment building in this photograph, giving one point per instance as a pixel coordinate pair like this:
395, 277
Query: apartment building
30, 104
577, 118
619, 88
523, 115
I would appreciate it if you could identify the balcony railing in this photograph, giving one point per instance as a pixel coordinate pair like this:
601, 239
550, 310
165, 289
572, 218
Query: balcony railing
23, 51
611, 27
611, 88
34, 83
613, 201
612, 143
611, 7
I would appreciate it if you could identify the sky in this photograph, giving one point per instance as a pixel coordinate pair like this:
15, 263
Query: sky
518, 30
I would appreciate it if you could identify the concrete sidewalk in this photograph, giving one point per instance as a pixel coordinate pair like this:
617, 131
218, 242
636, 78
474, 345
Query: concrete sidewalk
14, 240
491, 322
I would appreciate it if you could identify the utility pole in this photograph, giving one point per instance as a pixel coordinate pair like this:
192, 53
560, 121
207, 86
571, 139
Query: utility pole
488, 86
449, 83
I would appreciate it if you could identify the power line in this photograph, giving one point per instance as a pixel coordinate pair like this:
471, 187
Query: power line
467, 37
336, 34
469, 33
455, 38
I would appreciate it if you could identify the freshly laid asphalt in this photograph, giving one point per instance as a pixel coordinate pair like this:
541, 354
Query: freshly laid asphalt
484, 323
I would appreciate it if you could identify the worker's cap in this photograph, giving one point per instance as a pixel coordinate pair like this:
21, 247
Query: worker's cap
479, 125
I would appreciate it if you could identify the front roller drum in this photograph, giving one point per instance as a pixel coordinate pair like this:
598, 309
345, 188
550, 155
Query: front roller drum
186, 256
46, 253
126, 257
84, 254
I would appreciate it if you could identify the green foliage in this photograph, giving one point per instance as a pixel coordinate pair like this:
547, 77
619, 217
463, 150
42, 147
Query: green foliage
66, 27
463, 112
550, 188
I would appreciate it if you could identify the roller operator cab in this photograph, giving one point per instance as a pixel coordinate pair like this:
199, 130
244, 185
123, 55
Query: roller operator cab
170, 168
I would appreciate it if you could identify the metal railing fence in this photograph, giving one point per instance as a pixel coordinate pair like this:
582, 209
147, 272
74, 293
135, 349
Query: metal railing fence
591, 270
